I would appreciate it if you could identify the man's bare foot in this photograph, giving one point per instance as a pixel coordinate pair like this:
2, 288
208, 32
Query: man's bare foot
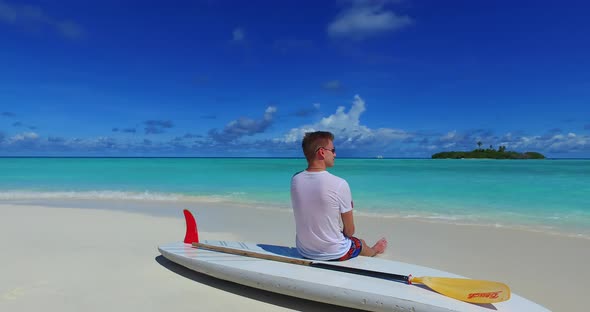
380, 246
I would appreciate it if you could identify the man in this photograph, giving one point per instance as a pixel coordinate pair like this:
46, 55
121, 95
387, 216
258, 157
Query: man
321, 203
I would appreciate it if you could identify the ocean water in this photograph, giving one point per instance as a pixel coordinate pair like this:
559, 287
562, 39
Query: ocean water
544, 195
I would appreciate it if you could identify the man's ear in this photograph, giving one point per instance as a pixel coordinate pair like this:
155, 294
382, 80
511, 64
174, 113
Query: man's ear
321, 154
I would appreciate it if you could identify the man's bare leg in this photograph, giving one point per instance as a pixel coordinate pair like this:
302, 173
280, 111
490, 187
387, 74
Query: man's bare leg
378, 248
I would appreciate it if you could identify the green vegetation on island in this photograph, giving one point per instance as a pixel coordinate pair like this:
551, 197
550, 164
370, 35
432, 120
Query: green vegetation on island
479, 152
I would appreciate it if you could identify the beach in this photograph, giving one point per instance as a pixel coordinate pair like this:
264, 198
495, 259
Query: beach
102, 255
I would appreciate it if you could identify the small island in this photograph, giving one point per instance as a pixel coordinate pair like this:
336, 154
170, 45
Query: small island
490, 153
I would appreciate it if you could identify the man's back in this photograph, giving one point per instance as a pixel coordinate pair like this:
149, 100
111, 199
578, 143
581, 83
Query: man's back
318, 200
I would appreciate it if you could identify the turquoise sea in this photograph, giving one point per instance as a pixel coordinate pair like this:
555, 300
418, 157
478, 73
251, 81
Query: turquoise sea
545, 195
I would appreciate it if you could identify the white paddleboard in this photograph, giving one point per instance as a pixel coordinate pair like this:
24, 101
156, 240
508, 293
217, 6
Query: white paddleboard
338, 288
327, 286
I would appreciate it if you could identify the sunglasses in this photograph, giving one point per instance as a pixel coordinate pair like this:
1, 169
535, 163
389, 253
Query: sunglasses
333, 150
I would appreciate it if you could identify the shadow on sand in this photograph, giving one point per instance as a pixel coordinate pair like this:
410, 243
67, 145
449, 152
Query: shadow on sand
249, 292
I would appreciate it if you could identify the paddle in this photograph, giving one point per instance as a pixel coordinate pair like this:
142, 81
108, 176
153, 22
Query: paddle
468, 290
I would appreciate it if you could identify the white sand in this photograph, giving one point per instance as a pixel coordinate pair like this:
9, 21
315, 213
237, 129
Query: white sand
69, 259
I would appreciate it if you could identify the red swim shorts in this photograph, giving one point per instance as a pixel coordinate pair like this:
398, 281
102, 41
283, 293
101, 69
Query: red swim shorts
355, 249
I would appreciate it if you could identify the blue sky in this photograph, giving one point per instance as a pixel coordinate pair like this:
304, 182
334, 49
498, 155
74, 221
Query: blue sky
402, 78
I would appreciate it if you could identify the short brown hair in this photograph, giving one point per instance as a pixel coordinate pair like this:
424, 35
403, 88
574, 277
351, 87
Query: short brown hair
314, 140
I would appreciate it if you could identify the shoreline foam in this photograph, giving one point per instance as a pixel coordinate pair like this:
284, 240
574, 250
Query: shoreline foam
515, 221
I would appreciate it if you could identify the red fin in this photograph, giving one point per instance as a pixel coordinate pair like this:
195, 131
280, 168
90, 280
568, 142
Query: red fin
192, 235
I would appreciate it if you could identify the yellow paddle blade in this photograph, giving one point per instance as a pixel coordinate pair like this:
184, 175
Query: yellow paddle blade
475, 291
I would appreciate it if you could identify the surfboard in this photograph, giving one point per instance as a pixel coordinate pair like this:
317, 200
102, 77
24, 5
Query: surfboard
328, 286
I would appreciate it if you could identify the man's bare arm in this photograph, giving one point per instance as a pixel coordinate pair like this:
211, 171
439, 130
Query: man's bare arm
348, 222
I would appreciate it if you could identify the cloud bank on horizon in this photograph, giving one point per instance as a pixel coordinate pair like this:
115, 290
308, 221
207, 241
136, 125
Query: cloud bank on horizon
395, 78
353, 139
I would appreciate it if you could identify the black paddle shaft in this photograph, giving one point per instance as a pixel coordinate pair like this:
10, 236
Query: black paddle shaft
247, 253
382, 275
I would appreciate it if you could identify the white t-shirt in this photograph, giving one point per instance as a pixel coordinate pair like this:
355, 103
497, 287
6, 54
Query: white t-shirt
318, 199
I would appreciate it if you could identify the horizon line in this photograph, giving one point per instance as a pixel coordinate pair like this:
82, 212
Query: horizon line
279, 157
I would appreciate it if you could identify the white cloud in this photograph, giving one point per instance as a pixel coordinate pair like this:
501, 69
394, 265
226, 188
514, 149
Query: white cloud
365, 19
70, 29
341, 119
25, 136
238, 34
295, 135
244, 126
347, 128
556, 143
449, 136
269, 112
552, 143
35, 15
8, 12
332, 85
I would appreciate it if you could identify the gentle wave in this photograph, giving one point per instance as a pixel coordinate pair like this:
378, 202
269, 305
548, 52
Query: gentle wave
498, 221
505, 220
110, 195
